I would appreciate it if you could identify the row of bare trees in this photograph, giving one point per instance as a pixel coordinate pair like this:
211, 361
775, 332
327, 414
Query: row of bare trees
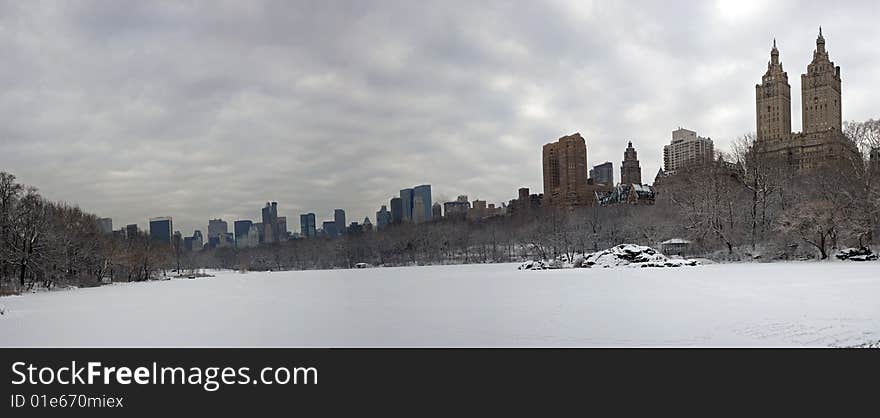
46, 244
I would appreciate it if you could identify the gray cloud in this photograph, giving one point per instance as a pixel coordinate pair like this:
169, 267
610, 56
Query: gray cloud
205, 109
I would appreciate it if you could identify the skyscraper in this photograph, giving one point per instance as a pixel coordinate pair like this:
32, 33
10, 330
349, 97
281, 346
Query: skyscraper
329, 228
565, 172
630, 171
396, 210
383, 217
241, 229
436, 211
307, 225
282, 228
423, 194
131, 231
160, 229
270, 222
106, 225
406, 201
686, 150
339, 218
603, 174
217, 227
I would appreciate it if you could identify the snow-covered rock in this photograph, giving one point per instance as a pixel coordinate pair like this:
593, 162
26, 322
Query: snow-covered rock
634, 256
630, 255
856, 254
534, 265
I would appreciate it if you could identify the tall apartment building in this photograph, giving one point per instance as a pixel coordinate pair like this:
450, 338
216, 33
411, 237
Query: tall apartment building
565, 172
686, 150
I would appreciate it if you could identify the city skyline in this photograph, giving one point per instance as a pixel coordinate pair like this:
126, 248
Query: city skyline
152, 117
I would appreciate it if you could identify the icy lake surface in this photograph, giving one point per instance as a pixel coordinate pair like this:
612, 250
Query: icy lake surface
782, 304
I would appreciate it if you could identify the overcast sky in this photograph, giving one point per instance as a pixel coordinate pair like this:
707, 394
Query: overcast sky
196, 110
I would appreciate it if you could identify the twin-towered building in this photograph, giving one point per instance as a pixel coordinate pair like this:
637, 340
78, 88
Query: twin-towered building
822, 139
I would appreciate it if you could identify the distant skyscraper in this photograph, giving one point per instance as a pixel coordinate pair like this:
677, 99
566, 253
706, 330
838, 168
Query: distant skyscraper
198, 241
307, 226
436, 211
282, 228
217, 227
367, 225
406, 201
686, 150
160, 229
270, 222
131, 231
383, 217
241, 229
106, 225
630, 171
603, 173
329, 228
396, 210
339, 218
422, 193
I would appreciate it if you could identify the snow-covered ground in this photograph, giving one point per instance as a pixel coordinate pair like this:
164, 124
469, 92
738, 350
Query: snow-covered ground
782, 304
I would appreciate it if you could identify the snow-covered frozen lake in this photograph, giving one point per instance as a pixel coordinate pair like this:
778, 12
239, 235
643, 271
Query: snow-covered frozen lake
782, 304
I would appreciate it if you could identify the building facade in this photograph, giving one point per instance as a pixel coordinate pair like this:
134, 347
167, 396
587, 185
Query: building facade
686, 150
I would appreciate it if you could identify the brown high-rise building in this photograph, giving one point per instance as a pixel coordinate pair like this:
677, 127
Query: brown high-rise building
822, 140
773, 100
820, 92
630, 171
565, 172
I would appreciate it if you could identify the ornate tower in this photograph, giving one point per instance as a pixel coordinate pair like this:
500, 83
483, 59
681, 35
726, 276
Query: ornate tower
773, 100
630, 171
820, 88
